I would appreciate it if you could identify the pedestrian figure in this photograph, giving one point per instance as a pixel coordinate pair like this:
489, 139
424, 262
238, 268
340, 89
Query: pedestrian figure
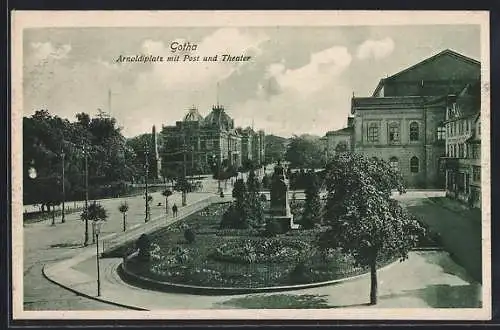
174, 210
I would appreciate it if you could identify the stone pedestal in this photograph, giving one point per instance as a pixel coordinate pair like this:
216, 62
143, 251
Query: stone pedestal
280, 203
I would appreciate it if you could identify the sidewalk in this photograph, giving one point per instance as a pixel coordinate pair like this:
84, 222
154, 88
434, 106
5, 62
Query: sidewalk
425, 280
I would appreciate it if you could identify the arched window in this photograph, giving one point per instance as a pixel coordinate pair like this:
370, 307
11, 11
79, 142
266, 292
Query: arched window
373, 132
414, 165
394, 163
393, 133
414, 133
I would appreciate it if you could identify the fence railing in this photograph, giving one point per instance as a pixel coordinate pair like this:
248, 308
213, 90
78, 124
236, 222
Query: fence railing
156, 223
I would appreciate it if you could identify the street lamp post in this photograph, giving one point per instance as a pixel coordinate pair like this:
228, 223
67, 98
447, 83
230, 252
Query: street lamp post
96, 226
63, 188
86, 240
146, 167
31, 173
184, 185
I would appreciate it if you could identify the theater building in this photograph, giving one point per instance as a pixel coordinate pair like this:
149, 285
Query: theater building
404, 120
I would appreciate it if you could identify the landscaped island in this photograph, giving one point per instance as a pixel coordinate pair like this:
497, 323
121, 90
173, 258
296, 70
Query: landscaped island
240, 258
251, 244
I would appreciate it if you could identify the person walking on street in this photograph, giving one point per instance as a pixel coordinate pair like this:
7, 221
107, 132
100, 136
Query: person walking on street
174, 210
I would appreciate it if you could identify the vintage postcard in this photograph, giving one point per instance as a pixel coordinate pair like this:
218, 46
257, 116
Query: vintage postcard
251, 165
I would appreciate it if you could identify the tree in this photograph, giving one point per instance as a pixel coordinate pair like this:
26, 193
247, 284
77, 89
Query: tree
274, 148
236, 215
94, 212
303, 152
255, 207
167, 193
341, 147
362, 218
45, 137
143, 243
266, 181
189, 235
312, 207
123, 208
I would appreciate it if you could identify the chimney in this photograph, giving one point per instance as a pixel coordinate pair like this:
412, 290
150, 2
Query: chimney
350, 121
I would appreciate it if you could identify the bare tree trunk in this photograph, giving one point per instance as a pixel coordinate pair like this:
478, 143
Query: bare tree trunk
166, 206
124, 222
373, 281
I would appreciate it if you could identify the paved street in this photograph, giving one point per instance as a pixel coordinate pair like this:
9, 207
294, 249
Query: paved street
433, 280
44, 243
461, 236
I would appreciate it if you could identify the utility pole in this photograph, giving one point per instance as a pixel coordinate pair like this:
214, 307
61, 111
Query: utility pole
86, 241
146, 167
184, 170
192, 164
63, 189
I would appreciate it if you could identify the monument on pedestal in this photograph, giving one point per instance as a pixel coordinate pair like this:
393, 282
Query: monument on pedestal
280, 204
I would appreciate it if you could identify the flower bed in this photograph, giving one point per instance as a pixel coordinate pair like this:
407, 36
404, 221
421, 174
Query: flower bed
237, 258
260, 251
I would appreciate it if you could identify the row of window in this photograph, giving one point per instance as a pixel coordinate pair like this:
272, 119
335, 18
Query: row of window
394, 130
459, 127
463, 150
414, 164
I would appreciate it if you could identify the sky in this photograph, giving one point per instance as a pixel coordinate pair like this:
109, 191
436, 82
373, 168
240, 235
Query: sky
299, 80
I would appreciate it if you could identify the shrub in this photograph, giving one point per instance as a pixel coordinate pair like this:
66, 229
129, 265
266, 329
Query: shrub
300, 274
189, 235
143, 244
273, 228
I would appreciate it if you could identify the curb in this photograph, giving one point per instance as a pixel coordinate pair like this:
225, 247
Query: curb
81, 294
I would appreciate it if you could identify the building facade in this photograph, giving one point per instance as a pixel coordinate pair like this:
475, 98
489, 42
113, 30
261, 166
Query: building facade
203, 142
340, 140
463, 147
403, 121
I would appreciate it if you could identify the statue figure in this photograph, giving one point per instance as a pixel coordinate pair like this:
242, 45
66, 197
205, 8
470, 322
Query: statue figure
280, 206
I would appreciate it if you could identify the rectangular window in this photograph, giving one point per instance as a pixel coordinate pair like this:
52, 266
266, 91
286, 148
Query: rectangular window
441, 133
209, 144
393, 133
476, 173
476, 151
373, 133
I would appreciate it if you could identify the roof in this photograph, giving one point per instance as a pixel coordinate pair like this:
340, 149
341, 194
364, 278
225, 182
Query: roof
193, 115
394, 102
218, 117
342, 131
427, 60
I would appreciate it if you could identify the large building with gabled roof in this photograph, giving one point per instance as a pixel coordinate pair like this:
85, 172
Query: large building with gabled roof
403, 121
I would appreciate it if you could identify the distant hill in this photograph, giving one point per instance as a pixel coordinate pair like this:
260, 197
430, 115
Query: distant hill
310, 137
